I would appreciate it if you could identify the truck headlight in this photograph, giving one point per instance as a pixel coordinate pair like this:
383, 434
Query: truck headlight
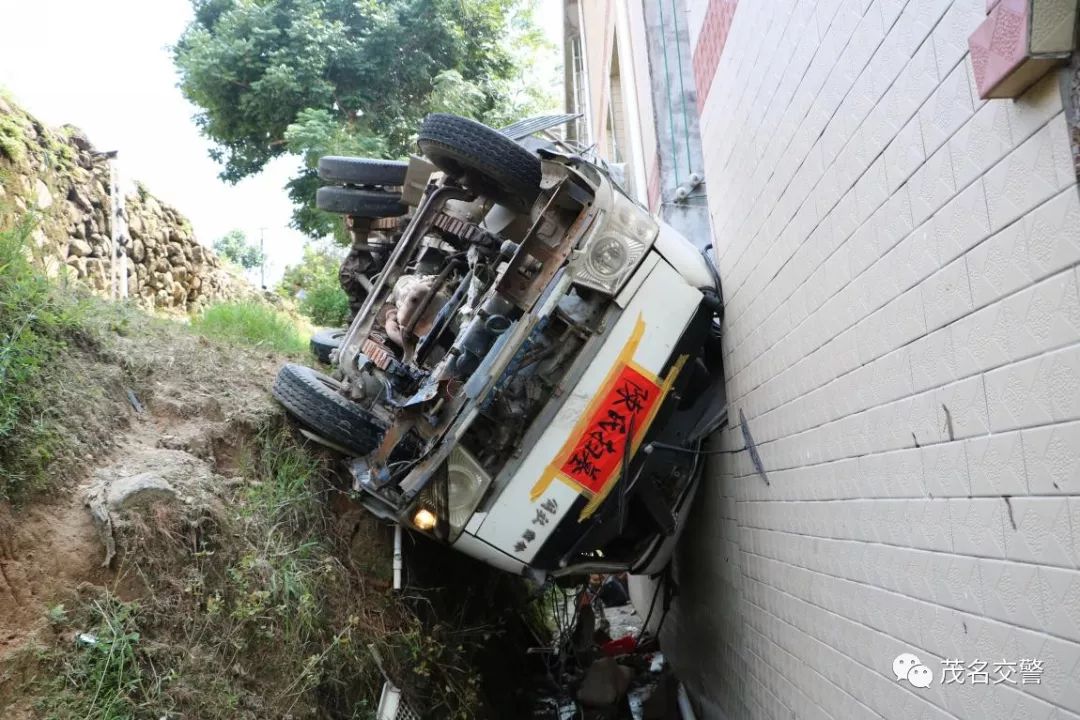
617, 241
448, 502
425, 520
466, 483
608, 256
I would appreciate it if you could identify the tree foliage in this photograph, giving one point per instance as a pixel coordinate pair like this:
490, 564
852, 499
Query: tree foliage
234, 246
315, 286
315, 77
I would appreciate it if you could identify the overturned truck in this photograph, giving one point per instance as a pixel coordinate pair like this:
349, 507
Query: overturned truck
534, 364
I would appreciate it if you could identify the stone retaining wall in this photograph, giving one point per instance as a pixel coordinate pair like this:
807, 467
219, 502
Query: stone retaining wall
57, 177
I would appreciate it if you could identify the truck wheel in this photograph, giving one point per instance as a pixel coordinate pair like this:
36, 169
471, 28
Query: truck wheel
360, 203
316, 402
324, 342
483, 159
362, 171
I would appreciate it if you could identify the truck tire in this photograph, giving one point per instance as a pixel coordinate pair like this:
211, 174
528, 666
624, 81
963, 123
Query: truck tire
482, 159
362, 171
324, 342
359, 203
315, 401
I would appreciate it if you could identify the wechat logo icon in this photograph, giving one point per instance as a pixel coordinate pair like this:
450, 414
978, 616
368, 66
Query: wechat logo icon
908, 667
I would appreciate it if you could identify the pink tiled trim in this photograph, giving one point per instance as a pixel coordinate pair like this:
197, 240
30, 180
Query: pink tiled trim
710, 45
999, 45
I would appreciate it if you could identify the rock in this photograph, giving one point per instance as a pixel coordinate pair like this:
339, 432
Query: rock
78, 138
78, 196
80, 268
138, 252
68, 274
95, 270
149, 476
79, 248
53, 267
138, 491
43, 195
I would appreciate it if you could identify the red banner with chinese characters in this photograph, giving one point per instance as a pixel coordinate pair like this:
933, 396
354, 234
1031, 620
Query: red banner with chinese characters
598, 453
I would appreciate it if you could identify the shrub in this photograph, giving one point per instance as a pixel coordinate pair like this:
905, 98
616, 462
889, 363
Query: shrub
251, 323
326, 304
314, 283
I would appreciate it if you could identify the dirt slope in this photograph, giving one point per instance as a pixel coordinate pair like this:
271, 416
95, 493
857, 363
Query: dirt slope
259, 584
190, 405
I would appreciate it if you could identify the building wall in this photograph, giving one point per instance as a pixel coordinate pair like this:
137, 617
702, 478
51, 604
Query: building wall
598, 33
675, 121
902, 330
609, 29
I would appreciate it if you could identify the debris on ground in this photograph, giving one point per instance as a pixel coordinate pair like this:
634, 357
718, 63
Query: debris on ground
603, 664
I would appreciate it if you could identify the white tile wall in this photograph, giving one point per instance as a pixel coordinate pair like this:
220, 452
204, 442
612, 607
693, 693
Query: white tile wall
901, 267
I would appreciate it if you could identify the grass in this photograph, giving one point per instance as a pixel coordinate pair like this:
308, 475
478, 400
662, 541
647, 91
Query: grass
62, 385
106, 659
251, 323
37, 325
12, 143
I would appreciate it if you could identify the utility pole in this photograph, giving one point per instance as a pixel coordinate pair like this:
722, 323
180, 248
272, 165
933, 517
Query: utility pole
118, 230
262, 258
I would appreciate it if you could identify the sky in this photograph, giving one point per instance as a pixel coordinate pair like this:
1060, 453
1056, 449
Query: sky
104, 66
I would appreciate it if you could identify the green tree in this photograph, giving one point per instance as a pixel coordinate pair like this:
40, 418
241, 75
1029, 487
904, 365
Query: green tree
234, 246
314, 284
316, 77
